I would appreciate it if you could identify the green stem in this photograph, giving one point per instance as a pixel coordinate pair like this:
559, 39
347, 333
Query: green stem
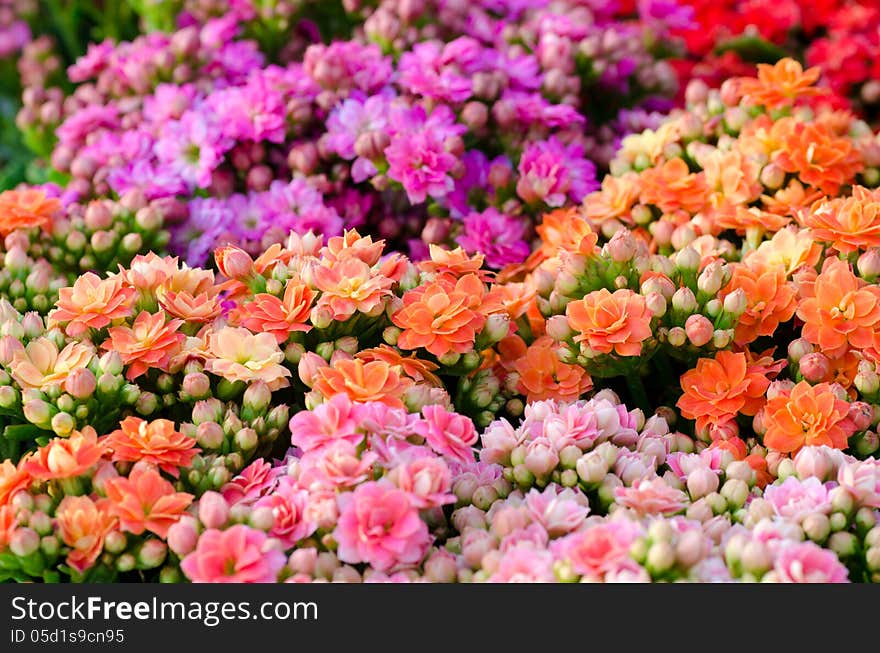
637, 391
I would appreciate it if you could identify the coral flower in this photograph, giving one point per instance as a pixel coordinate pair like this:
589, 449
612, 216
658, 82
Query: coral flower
155, 442
719, 388
145, 501
8, 524
566, 230
819, 157
617, 322
280, 317
65, 457
350, 286
83, 524
149, 343
843, 311
850, 224
26, 209
770, 299
780, 85
12, 479
92, 303
614, 200
39, 365
731, 177
352, 245
672, 187
442, 316
199, 308
147, 272
361, 381
455, 263
418, 370
240, 554
808, 415
239, 355
541, 374
651, 497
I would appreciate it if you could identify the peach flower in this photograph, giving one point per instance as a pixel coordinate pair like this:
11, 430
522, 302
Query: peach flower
843, 311
8, 524
39, 365
150, 343
350, 286
147, 272
155, 442
819, 157
850, 224
280, 317
92, 303
83, 524
731, 176
455, 263
239, 355
651, 496
615, 199
415, 368
361, 381
145, 501
807, 415
719, 388
65, 457
352, 245
200, 308
26, 209
617, 322
673, 187
790, 248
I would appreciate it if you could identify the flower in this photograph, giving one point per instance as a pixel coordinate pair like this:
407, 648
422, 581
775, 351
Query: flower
541, 374
617, 322
289, 508
39, 365
780, 84
770, 299
850, 224
150, 343
551, 172
256, 480
332, 420
841, 311
349, 286
92, 303
65, 457
145, 501
338, 465
427, 480
862, 480
379, 525
719, 388
672, 187
280, 317
82, 525
598, 549
155, 442
559, 511
449, 434
796, 499
816, 154
524, 564
373, 381
806, 562
807, 415
442, 317
12, 479
651, 497
240, 554
614, 200
497, 236
239, 355
26, 209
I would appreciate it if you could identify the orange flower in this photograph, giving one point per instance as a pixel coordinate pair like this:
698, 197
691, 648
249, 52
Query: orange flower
26, 209
818, 156
40, 365
8, 525
790, 248
352, 245
791, 199
566, 230
200, 308
850, 224
745, 220
65, 457
731, 176
808, 415
608, 323
239, 355
442, 317
149, 343
415, 368
780, 85
92, 303
842, 312
155, 442
12, 479
145, 501
362, 381
719, 388
541, 374
770, 299
512, 298
83, 524
615, 200
672, 187
350, 286
280, 317
455, 263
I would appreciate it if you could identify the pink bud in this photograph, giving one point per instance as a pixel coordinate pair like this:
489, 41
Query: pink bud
476, 543
9, 347
303, 561
699, 330
541, 457
799, 348
622, 246
308, 367
81, 383
213, 509
815, 367
234, 263
861, 415
441, 567
701, 482
183, 536
24, 542
812, 461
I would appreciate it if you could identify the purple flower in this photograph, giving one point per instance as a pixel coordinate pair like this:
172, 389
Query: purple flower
551, 172
254, 112
348, 65
192, 147
296, 206
352, 118
499, 237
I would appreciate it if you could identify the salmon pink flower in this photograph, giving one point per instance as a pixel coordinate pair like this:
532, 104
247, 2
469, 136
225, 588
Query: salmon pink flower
816, 154
82, 525
239, 355
337, 465
351, 286
92, 303
329, 422
199, 308
719, 388
373, 381
26, 209
672, 187
379, 525
850, 224
256, 480
449, 434
453, 263
806, 415
39, 365
240, 554
289, 505
12, 479
770, 299
150, 343
8, 524
541, 374
796, 499
807, 562
280, 317
614, 200
155, 442
649, 496
145, 501
65, 457
607, 323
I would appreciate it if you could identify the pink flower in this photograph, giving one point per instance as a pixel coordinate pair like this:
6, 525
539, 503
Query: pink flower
500, 238
498, 440
449, 434
552, 173
651, 496
795, 499
862, 480
524, 564
253, 482
427, 480
329, 422
600, 549
240, 554
337, 465
534, 535
379, 525
806, 562
289, 507
559, 511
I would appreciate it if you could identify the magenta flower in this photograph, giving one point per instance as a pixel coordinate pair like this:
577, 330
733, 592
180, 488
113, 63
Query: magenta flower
191, 147
495, 235
552, 173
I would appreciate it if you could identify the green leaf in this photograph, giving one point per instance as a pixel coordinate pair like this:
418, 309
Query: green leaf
22, 432
752, 48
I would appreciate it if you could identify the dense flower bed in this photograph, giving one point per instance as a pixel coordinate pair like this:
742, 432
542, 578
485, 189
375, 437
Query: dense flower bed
431, 291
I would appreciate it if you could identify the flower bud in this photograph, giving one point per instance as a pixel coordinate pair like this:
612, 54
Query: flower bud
197, 385
541, 457
699, 330
815, 367
701, 482
736, 302
234, 263
213, 510
24, 542
257, 397
816, 526
799, 348
755, 557
684, 301
81, 383
661, 558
